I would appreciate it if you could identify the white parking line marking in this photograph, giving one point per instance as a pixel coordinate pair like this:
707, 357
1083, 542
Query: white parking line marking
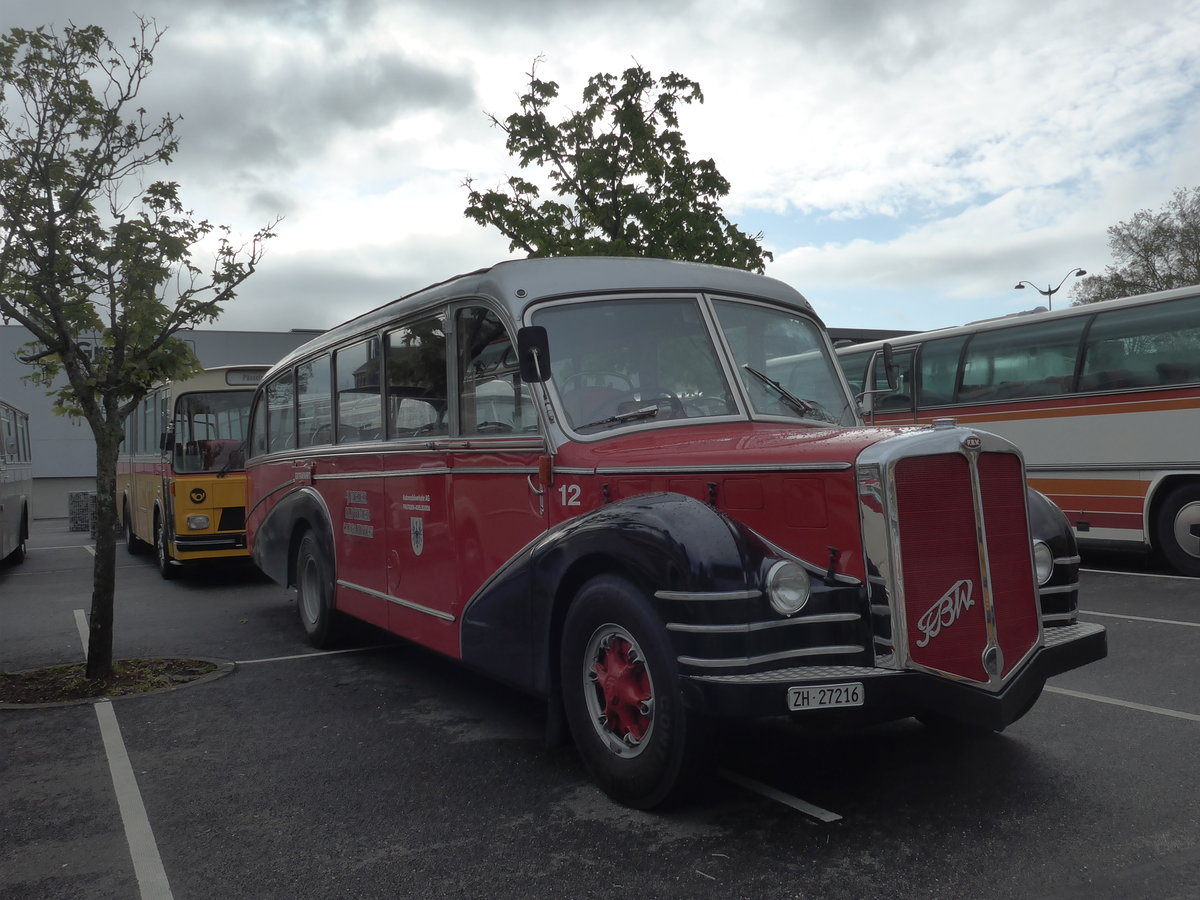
63, 547
1088, 612
147, 863
81, 623
1112, 701
757, 787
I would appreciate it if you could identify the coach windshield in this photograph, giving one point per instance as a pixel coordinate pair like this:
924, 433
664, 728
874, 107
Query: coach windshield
618, 363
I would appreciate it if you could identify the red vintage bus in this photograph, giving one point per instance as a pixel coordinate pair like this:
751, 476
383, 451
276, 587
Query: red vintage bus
641, 490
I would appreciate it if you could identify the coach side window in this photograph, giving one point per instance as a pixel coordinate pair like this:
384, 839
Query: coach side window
416, 380
855, 367
491, 397
1143, 346
281, 413
938, 365
1035, 360
314, 416
359, 410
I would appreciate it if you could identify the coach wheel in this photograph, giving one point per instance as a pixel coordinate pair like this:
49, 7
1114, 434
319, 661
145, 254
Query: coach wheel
622, 697
18, 555
314, 592
165, 567
1177, 529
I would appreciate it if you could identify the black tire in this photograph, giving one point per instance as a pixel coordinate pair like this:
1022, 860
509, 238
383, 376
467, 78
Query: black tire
639, 743
1177, 529
133, 544
166, 568
17, 556
314, 592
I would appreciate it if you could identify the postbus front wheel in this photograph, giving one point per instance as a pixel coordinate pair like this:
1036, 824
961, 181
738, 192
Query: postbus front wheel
1177, 529
621, 697
166, 567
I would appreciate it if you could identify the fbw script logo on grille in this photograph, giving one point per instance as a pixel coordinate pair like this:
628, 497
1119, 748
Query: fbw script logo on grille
945, 612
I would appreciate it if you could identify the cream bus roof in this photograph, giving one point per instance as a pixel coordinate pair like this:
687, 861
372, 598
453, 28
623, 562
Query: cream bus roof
516, 284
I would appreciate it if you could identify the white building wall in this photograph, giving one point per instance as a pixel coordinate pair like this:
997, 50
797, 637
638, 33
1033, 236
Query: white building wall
64, 454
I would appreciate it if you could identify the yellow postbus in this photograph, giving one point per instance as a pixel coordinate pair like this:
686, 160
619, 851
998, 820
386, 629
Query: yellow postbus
181, 483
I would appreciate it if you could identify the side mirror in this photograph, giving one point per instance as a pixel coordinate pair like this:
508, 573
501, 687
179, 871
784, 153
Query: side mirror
165, 440
533, 353
891, 371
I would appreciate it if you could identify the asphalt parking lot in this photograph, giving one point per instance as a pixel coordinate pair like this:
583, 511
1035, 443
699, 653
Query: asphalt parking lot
380, 770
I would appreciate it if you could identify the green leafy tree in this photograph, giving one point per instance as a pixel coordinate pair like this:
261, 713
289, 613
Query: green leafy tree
1152, 251
96, 264
620, 169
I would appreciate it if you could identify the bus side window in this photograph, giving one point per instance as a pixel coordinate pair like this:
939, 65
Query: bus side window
315, 418
258, 426
900, 400
855, 367
281, 413
416, 380
359, 407
1144, 346
491, 397
938, 370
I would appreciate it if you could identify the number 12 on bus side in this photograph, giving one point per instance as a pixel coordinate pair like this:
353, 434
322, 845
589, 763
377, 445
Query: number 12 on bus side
825, 696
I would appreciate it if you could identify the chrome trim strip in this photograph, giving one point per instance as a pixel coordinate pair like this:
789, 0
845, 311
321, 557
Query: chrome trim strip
440, 470
766, 657
718, 469
1059, 617
1068, 560
390, 473
804, 675
708, 595
748, 627
407, 604
1059, 589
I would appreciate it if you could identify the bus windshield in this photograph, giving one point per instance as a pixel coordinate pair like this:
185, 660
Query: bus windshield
608, 374
210, 429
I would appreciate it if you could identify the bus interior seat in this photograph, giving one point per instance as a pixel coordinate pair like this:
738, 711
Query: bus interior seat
1175, 373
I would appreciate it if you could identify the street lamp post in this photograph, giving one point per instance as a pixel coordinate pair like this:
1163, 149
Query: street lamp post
1050, 291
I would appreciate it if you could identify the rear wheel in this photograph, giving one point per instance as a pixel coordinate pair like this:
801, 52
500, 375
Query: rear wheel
1177, 529
133, 544
314, 592
622, 697
166, 566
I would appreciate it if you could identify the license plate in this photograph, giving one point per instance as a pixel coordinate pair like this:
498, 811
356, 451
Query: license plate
825, 696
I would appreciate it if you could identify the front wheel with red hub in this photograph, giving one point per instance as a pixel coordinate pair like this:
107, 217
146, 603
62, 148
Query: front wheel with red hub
620, 689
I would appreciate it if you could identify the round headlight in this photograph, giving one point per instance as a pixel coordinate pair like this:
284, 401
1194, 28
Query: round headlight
1043, 562
788, 587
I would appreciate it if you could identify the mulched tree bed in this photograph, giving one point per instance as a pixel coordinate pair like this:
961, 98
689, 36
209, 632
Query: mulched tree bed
63, 684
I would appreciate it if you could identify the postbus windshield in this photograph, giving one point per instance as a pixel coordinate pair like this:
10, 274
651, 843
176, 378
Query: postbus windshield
668, 367
210, 428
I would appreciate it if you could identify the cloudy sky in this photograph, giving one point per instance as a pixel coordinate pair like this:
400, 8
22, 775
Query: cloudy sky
908, 161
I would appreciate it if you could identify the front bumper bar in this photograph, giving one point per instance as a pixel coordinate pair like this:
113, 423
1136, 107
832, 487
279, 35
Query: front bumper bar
895, 693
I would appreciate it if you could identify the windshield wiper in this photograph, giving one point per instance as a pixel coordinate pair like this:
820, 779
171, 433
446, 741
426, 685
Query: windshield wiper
646, 412
801, 406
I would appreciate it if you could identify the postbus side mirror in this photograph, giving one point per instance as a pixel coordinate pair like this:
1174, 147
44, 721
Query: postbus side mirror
533, 354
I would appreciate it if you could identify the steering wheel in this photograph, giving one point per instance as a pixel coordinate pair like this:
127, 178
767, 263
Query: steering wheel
569, 382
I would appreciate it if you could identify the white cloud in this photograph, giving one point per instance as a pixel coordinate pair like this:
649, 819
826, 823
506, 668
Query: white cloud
999, 139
